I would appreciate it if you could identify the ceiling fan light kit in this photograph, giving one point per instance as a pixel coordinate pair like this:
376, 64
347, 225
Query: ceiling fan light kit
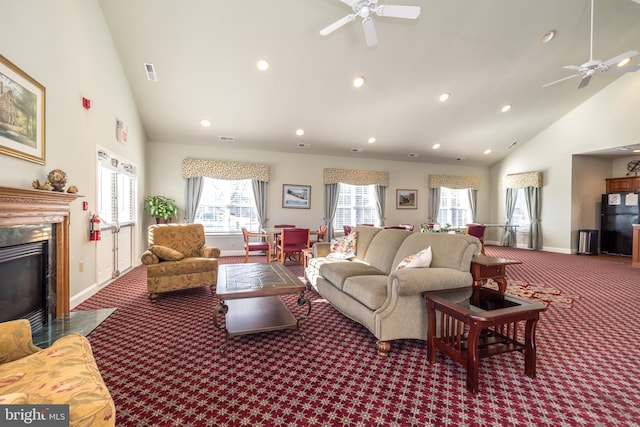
589, 68
365, 9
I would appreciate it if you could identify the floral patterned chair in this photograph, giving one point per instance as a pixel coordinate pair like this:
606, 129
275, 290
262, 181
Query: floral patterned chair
63, 374
177, 258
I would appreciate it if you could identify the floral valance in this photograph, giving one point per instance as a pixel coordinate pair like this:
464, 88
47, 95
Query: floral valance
454, 182
522, 180
221, 169
355, 177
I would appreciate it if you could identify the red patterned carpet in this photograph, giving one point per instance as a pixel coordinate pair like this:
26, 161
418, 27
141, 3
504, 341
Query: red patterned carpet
162, 364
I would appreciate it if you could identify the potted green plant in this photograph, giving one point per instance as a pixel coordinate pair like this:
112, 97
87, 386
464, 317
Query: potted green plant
161, 208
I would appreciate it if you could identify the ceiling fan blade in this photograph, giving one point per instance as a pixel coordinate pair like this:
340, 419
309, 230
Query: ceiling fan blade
349, 2
370, 36
394, 11
620, 57
339, 23
571, 67
585, 81
558, 81
627, 69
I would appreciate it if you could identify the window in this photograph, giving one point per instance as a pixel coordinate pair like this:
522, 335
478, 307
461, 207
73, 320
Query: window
454, 207
520, 213
226, 206
116, 195
356, 205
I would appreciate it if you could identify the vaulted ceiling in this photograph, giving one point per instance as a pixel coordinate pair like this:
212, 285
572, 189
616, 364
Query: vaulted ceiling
486, 54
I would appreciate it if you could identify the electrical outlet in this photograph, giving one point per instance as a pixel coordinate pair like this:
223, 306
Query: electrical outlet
81, 266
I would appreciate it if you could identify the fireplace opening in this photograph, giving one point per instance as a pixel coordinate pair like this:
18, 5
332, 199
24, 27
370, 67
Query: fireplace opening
27, 286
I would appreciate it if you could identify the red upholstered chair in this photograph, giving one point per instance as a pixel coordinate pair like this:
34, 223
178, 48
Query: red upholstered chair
293, 241
284, 226
263, 245
406, 226
477, 230
322, 234
347, 229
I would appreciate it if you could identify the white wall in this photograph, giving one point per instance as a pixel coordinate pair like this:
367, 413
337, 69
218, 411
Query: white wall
608, 119
165, 178
66, 46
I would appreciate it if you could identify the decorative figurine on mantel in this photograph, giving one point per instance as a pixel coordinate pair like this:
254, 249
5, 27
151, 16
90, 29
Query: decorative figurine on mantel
58, 179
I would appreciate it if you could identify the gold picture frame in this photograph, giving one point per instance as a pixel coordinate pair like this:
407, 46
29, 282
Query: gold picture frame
22, 114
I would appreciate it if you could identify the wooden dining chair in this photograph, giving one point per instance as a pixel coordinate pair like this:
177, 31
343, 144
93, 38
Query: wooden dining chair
284, 226
477, 230
321, 234
293, 241
249, 246
347, 229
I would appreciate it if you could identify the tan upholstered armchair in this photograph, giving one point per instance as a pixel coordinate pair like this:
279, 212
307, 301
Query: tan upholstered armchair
177, 258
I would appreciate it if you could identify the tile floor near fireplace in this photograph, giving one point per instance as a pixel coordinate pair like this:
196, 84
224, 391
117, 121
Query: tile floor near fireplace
82, 322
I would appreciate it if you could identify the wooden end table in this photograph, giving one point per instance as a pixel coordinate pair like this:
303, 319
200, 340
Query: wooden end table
474, 323
485, 267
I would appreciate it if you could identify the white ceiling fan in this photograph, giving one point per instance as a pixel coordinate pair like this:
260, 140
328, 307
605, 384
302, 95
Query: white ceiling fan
588, 69
364, 9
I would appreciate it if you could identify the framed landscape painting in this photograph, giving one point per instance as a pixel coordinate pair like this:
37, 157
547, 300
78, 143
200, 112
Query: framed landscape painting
296, 196
22, 103
406, 199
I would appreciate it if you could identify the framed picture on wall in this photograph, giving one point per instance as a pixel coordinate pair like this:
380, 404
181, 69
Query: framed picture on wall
406, 199
296, 196
21, 114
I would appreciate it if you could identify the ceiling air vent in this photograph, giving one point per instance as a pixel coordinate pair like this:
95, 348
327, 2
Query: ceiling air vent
413, 155
513, 144
227, 138
151, 72
357, 150
303, 145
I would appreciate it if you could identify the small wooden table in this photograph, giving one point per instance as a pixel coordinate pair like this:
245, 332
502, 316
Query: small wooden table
475, 323
486, 267
249, 299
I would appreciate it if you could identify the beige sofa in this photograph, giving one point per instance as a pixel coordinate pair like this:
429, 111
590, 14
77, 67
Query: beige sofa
65, 373
389, 302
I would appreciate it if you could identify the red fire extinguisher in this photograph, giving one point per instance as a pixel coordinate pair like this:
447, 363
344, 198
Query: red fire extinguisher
94, 228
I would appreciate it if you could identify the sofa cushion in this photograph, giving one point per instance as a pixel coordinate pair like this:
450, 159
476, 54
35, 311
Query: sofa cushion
65, 373
344, 247
384, 246
365, 236
420, 260
166, 253
184, 266
337, 272
449, 250
186, 238
368, 290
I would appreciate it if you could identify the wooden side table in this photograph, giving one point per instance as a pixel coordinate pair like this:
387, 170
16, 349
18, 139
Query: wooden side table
485, 267
476, 323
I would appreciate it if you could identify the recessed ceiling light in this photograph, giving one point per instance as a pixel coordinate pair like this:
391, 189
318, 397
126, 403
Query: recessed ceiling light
444, 97
300, 132
358, 81
547, 37
435, 146
624, 62
487, 152
506, 108
371, 140
205, 123
262, 65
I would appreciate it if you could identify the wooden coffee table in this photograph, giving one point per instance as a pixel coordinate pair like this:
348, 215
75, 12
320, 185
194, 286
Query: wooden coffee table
249, 299
475, 323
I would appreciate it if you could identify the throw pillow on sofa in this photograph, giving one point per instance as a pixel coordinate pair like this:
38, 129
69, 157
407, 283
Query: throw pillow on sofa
344, 247
420, 260
166, 253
